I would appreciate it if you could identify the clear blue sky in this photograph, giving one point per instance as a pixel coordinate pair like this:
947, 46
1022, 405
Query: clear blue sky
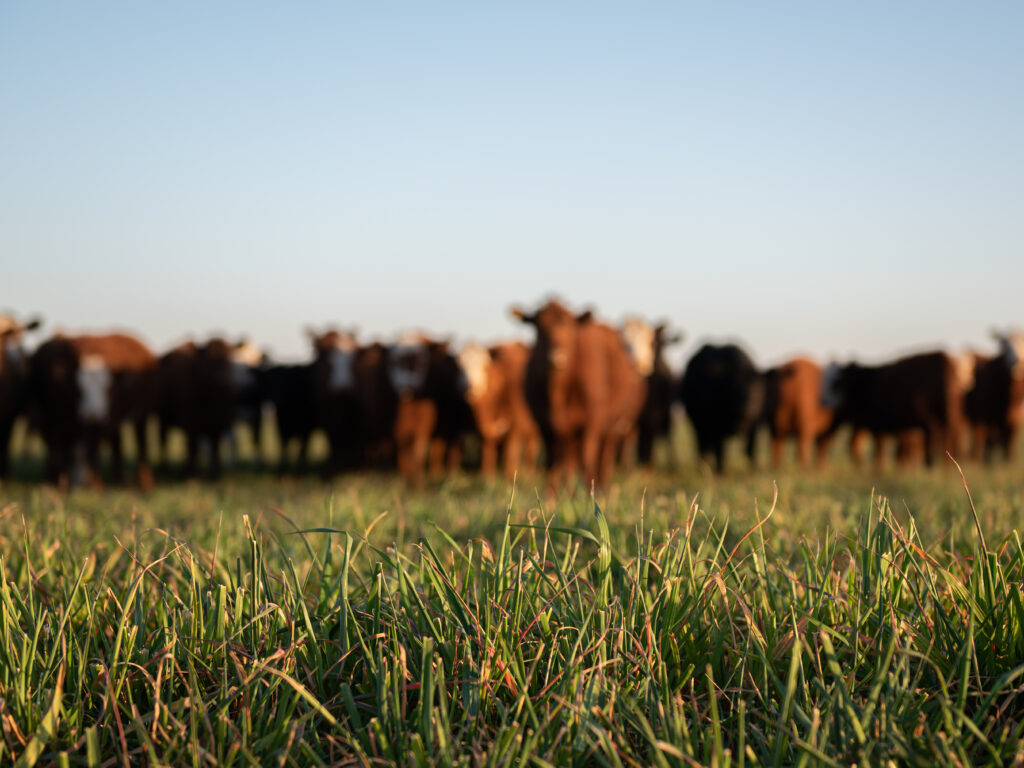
815, 176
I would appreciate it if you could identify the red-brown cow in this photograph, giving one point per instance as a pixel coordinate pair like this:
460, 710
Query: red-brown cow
793, 408
583, 390
83, 388
496, 376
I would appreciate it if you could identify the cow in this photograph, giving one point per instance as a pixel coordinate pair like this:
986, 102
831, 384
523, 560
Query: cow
793, 408
583, 390
290, 390
13, 382
83, 389
919, 392
994, 401
432, 414
646, 344
337, 398
723, 394
199, 387
495, 377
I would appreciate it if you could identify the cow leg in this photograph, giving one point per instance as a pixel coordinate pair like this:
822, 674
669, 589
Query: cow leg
215, 462
437, 452
752, 448
145, 469
116, 454
454, 456
192, 453
591, 455
6, 427
718, 448
489, 456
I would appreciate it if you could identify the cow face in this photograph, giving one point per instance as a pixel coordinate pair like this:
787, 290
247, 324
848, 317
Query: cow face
474, 362
338, 349
94, 380
556, 332
246, 358
408, 365
11, 333
832, 386
1011, 349
641, 342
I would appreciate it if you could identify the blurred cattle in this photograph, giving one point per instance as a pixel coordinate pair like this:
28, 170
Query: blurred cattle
994, 403
199, 390
495, 379
646, 345
290, 390
793, 408
13, 382
583, 390
339, 407
83, 389
432, 414
723, 394
920, 392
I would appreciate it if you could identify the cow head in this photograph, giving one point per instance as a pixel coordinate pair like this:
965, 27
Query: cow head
94, 380
1011, 350
556, 331
474, 361
337, 349
11, 333
409, 363
832, 386
246, 359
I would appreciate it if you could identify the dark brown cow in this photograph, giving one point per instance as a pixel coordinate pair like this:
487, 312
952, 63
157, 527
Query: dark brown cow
199, 388
994, 403
432, 414
793, 408
13, 382
646, 345
337, 391
920, 392
583, 390
496, 378
83, 388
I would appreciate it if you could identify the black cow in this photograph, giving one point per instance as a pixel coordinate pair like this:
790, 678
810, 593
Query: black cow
13, 382
920, 392
291, 391
723, 394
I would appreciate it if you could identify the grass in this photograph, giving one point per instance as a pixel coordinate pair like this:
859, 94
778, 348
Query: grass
679, 620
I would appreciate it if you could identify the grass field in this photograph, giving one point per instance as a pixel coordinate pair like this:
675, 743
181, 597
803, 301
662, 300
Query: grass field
684, 619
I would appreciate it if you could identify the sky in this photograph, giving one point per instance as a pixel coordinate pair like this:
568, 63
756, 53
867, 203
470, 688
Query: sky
836, 179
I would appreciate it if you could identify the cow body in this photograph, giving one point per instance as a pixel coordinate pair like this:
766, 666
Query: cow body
83, 388
723, 394
920, 392
646, 345
583, 390
199, 389
495, 379
13, 383
290, 390
793, 409
994, 403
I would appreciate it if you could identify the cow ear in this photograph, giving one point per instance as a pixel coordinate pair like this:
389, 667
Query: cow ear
34, 323
676, 338
586, 316
494, 351
521, 316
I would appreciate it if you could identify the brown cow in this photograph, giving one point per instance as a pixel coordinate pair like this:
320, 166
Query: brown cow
495, 377
583, 390
83, 388
13, 382
994, 403
793, 408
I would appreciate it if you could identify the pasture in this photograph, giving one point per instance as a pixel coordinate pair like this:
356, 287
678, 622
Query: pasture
686, 619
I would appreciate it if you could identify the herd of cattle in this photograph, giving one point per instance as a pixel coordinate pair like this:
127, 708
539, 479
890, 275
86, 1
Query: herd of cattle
586, 396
